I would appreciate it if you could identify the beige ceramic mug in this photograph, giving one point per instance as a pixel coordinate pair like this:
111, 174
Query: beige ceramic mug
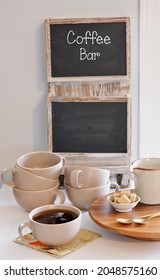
83, 197
52, 234
86, 177
25, 180
29, 200
42, 163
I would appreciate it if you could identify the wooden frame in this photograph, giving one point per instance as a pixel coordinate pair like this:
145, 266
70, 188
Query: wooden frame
90, 88
116, 162
122, 79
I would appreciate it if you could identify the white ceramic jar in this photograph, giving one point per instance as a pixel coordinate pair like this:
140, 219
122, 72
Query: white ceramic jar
147, 179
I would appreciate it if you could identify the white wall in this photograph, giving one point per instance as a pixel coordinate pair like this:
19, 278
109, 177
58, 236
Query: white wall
149, 144
23, 82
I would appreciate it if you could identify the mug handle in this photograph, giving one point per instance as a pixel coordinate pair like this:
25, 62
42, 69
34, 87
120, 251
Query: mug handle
23, 237
115, 186
3, 174
74, 178
64, 161
61, 197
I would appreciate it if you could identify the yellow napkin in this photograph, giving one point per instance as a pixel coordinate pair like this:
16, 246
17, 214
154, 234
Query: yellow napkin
82, 238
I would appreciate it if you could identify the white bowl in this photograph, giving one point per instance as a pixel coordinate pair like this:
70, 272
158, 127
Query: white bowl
122, 207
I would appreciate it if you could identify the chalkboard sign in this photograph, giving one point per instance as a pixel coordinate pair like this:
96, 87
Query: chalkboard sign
89, 127
88, 48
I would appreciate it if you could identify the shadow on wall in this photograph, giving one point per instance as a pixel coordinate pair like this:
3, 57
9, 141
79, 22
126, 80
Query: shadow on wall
40, 111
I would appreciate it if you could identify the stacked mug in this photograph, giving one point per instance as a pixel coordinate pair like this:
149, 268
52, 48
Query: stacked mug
85, 184
35, 179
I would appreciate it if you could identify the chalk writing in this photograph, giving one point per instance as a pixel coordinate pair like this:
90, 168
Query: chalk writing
89, 37
93, 37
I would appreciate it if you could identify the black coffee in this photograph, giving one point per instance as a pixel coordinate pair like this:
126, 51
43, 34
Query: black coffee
55, 217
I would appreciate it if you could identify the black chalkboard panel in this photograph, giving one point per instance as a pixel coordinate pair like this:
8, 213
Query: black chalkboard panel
89, 127
88, 49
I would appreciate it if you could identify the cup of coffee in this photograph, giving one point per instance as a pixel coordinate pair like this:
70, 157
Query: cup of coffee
42, 163
25, 180
86, 177
29, 200
52, 225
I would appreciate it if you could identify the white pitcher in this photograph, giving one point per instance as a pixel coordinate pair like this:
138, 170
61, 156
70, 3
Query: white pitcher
147, 179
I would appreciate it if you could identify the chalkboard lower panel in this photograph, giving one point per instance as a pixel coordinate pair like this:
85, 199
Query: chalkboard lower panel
89, 127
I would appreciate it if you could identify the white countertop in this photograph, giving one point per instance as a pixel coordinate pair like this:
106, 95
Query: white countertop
110, 246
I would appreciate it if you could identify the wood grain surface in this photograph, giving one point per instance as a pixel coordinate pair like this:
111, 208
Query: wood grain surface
103, 214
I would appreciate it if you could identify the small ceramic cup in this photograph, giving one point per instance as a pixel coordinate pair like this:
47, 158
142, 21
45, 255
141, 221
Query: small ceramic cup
86, 177
52, 234
29, 200
25, 180
44, 164
83, 197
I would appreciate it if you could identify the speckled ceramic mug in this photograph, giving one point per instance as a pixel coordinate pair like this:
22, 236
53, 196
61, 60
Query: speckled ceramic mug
27, 181
86, 177
42, 163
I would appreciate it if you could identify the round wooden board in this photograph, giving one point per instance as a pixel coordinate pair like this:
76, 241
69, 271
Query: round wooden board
103, 214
